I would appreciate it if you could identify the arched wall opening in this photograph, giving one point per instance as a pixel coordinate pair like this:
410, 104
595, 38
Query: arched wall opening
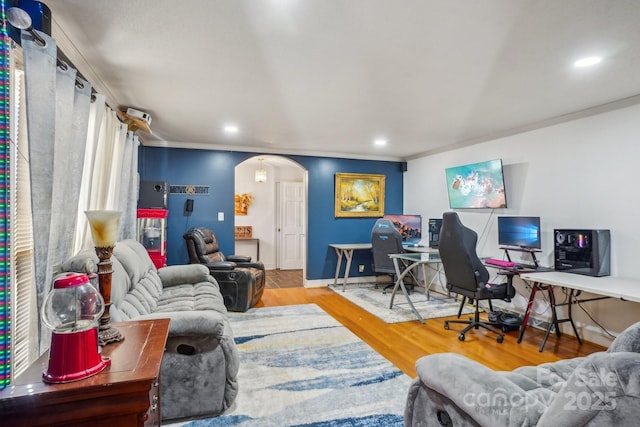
276, 212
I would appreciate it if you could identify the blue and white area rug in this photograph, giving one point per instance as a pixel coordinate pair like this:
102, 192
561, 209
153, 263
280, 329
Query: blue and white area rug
373, 300
300, 367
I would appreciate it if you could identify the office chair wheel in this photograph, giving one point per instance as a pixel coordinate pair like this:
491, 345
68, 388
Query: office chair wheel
461, 337
500, 338
446, 325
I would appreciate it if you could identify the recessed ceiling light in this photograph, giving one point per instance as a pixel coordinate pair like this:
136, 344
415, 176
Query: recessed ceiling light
588, 61
230, 129
380, 142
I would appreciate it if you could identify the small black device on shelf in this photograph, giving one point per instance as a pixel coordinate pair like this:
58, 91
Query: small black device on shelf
153, 195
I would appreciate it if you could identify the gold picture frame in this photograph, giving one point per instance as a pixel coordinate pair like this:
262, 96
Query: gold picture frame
359, 195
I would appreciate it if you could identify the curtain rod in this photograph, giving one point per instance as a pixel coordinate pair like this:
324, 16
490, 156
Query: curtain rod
63, 63
20, 20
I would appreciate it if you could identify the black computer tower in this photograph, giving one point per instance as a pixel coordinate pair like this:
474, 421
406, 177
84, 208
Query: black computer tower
153, 195
585, 252
434, 232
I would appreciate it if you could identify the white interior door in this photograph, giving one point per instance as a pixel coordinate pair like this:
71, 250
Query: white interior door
291, 235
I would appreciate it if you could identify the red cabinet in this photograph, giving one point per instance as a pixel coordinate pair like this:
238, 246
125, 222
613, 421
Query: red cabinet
152, 233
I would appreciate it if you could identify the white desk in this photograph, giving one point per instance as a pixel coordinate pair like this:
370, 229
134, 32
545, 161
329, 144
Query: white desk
346, 250
607, 286
614, 287
411, 261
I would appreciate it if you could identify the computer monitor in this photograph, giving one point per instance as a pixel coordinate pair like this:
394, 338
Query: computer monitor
409, 226
519, 231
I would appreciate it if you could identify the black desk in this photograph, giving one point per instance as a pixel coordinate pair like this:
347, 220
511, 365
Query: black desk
536, 286
555, 322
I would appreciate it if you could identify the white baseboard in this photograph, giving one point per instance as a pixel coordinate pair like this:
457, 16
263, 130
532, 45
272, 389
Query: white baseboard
321, 283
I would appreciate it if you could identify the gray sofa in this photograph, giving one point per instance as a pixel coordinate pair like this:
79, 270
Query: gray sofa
602, 389
198, 376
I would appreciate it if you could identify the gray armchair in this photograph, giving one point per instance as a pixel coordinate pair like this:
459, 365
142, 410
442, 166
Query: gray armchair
602, 389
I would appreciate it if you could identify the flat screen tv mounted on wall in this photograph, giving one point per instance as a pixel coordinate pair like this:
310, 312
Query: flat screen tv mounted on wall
409, 226
476, 186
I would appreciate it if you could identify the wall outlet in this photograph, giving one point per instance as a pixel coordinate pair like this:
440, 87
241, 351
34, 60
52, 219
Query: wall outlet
220, 216
361, 268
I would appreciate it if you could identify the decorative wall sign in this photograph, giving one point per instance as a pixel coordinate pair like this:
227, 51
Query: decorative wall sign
243, 231
192, 190
359, 195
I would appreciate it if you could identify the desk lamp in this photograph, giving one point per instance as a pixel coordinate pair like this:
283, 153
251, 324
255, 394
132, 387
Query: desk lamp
72, 310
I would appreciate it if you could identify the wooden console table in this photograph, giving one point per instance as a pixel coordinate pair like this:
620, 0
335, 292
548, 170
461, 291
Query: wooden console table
127, 393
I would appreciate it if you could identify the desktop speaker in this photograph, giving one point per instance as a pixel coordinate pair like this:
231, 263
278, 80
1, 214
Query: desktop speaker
585, 252
434, 232
153, 195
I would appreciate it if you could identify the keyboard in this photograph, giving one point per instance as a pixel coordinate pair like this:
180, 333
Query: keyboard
500, 263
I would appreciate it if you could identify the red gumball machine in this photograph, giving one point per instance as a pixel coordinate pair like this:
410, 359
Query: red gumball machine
72, 310
152, 233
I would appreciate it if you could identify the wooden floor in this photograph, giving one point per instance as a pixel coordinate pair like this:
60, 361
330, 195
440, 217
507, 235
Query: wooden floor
276, 279
404, 343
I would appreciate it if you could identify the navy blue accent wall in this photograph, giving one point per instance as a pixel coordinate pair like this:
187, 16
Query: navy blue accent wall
216, 170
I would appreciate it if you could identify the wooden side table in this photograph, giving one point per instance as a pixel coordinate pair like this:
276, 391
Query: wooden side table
127, 393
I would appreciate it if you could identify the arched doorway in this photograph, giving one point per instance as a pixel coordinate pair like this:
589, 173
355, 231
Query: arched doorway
277, 213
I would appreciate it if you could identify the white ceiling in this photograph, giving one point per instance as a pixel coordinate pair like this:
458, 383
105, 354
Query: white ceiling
326, 77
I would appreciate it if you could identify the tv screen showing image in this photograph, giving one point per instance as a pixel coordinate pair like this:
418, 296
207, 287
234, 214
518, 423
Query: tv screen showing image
519, 231
409, 226
476, 186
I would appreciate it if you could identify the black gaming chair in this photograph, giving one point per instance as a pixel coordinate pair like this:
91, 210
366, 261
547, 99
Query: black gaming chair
466, 274
385, 240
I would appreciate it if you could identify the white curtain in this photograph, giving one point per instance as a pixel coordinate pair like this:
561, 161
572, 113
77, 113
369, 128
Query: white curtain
109, 179
81, 157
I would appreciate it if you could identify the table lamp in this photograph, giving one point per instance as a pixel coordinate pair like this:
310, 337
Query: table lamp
104, 231
72, 310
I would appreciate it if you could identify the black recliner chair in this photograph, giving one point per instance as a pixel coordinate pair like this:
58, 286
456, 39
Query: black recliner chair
466, 274
241, 280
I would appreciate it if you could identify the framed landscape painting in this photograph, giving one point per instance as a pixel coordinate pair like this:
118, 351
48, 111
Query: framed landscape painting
359, 195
